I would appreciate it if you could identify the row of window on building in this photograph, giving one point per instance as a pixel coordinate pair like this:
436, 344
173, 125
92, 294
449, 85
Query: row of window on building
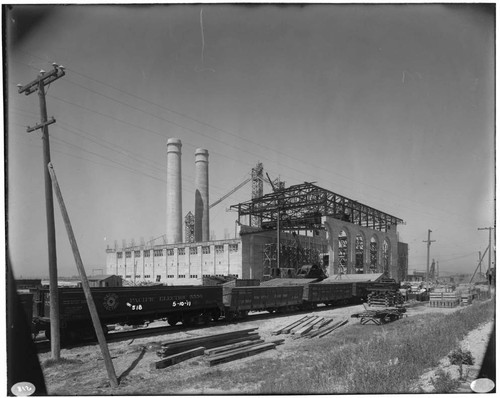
158, 277
181, 251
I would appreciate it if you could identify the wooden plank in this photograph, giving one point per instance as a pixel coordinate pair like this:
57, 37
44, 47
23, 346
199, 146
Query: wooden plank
170, 350
306, 329
238, 354
213, 336
177, 358
321, 329
229, 347
303, 331
291, 325
295, 324
331, 329
298, 327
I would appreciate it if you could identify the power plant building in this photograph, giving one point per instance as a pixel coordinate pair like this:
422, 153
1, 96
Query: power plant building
316, 227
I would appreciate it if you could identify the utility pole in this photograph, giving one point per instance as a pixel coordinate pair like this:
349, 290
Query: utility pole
42, 80
480, 270
428, 241
489, 257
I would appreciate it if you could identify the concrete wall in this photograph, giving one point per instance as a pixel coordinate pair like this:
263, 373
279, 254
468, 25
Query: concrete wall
182, 264
335, 227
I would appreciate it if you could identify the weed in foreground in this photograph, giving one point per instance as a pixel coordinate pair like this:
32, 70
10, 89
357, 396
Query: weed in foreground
461, 357
443, 382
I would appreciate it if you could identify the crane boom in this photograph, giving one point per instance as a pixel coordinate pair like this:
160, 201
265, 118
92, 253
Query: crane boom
230, 192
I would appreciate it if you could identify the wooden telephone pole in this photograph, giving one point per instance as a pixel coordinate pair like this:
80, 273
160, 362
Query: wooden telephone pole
428, 241
489, 257
42, 80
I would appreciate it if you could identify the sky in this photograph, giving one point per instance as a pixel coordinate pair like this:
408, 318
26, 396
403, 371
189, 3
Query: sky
390, 105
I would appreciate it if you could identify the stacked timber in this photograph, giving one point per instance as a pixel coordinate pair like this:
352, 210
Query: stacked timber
223, 355
310, 326
444, 298
385, 299
219, 348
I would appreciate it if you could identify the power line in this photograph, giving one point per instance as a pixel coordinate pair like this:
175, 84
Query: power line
223, 131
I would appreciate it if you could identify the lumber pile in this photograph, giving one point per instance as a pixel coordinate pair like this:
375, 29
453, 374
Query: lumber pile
310, 326
217, 357
385, 299
219, 348
444, 299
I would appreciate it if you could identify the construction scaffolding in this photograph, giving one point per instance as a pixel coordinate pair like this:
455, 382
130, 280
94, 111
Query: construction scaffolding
293, 256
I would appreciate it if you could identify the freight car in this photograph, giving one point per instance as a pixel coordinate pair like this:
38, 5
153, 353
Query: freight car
238, 301
128, 305
327, 293
190, 304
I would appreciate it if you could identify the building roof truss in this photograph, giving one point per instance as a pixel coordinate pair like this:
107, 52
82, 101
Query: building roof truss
301, 207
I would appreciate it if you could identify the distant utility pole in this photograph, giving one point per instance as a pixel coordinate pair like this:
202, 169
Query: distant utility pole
489, 257
43, 79
428, 241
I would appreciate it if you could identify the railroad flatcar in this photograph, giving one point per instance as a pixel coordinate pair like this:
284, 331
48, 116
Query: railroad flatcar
129, 305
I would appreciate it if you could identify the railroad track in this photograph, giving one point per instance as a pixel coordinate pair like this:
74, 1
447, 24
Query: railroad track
43, 345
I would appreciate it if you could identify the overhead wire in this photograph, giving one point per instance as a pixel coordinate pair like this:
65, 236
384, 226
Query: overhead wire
211, 137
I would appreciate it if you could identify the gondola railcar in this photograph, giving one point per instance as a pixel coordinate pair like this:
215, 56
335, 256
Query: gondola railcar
129, 305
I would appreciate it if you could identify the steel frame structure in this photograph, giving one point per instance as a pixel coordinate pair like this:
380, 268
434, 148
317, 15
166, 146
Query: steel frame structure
300, 207
257, 189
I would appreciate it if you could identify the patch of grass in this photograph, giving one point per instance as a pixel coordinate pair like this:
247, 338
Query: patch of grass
341, 364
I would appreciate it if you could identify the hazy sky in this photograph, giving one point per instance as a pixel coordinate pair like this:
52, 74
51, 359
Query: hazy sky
389, 105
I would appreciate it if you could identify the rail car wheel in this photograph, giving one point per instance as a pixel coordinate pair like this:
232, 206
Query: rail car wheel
230, 316
216, 314
187, 320
206, 318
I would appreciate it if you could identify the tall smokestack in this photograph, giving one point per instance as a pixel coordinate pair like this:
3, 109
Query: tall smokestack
201, 216
174, 191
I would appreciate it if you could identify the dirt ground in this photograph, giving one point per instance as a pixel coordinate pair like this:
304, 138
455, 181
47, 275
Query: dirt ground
83, 371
